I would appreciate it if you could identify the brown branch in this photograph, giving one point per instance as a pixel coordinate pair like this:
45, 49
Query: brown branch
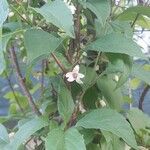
42, 78
21, 81
59, 63
77, 29
146, 89
12, 89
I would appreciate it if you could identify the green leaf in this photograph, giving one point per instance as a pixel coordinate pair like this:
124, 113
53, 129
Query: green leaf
144, 22
25, 131
109, 120
4, 138
2, 59
90, 76
90, 97
112, 95
130, 13
60, 140
92, 146
38, 43
120, 63
116, 43
65, 102
88, 135
58, 14
101, 8
4, 9
112, 142
139, 72
138, 120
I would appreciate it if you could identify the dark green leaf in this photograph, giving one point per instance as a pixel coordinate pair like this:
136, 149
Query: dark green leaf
116, 43
120, 64
112, 142
38, 43
60, 140
138, 120
101, 8
109, 91
65, 102
109, 120
58, 14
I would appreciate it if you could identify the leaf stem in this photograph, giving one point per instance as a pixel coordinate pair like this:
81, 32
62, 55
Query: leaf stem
59, 63
137, 16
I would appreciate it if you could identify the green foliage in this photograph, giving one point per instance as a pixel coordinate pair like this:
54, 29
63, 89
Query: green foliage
109, 120
38, 42
4, 138
25, 131
65, 102
54, 12
112, 95
116, 43
100, 8
71, 139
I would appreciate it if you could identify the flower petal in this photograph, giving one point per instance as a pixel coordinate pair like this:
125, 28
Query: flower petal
70, 79
69, 74
79, 81
80, 75
76, 69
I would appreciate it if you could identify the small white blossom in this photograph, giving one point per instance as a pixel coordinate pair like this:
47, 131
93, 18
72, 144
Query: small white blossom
74, 75
102, 102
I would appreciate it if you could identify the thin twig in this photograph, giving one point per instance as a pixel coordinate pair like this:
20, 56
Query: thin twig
28, 22
137, 16
12, 89
146, 89
77, 29
59, 63
21, 81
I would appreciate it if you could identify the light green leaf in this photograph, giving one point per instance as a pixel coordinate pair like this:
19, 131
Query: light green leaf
140, 73
138, 120
109, 120
58, 14
144, 22
112, 95
4, 9
116, 43
65, 102
101, 8
25, 131
3, 134
69, 140
112, 142
2, 59
38, 43
130, 13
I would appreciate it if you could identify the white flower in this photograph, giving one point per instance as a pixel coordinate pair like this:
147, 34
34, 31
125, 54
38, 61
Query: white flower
74, 75
102, 102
